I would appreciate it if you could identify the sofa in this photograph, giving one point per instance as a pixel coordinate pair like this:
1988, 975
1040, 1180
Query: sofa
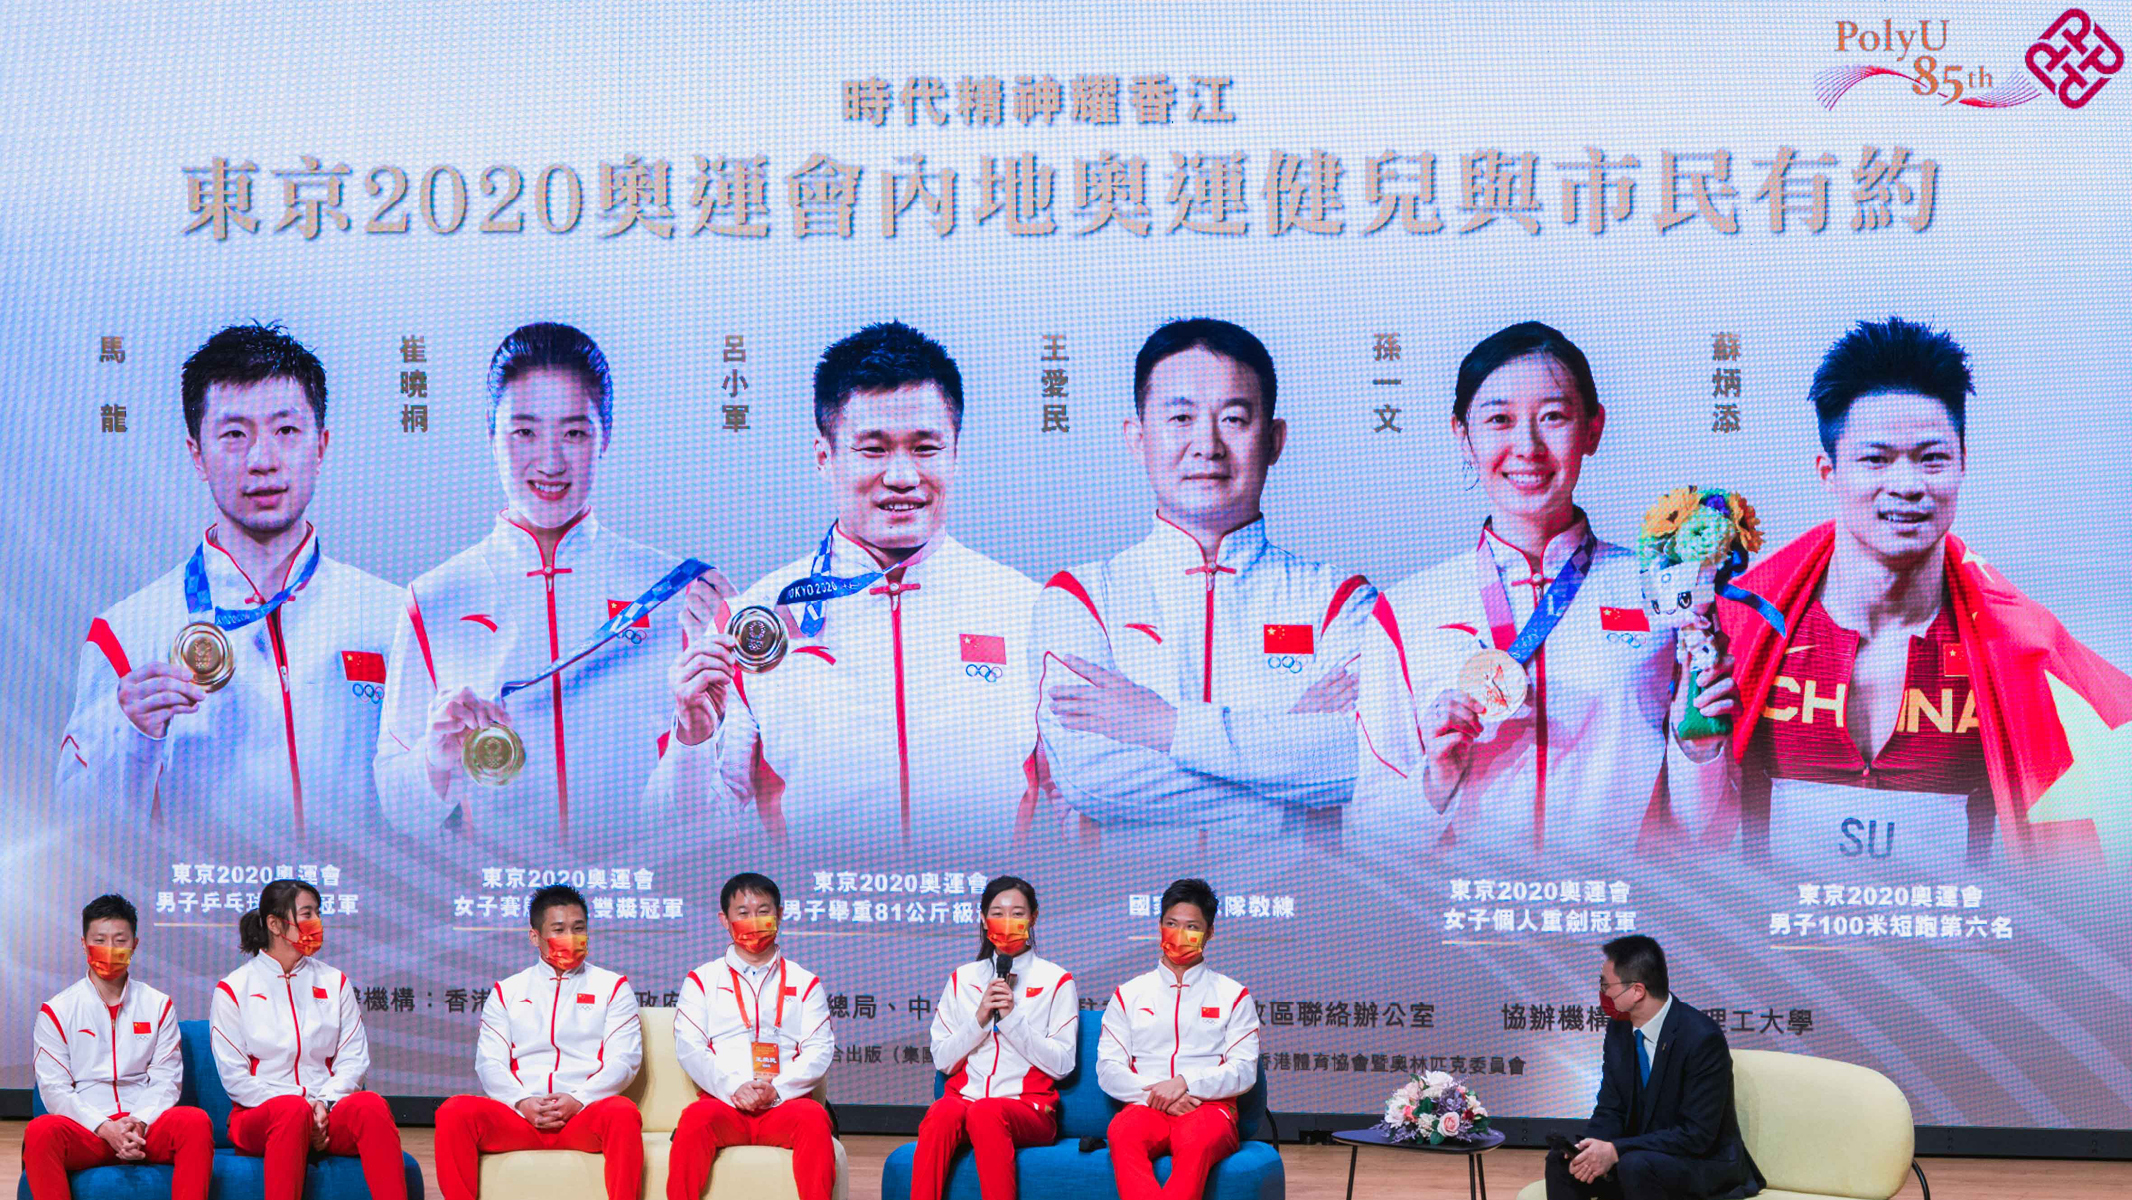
1859, 1150
660, 1091
236, 1176
1063, 1171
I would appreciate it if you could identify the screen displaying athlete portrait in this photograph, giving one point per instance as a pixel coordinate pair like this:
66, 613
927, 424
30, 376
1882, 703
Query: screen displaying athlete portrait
1464, 508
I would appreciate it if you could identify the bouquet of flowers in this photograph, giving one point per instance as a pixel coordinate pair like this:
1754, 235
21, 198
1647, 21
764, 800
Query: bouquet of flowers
1435, 1108
1694, 541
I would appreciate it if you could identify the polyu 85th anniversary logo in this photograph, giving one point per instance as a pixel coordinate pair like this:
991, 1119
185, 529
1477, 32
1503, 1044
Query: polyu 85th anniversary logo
2072, 58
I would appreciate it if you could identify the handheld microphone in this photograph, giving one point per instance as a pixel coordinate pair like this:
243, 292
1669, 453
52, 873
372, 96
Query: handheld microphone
1002, 967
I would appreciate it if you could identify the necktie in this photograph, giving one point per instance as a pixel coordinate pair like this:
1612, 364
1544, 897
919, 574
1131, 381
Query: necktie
1643, 1058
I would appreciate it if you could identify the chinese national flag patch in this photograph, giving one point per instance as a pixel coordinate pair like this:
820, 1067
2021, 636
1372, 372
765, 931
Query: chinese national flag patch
318, 993
363, 666
1290, 639
1033, 991
1211, 1013
1954, 660
141, 1027
984, 648
587, 998
615, 607
1623, 620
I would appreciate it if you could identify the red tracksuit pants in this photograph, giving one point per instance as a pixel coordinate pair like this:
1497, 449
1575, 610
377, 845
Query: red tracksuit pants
1195, 1142
992, 1128
471, 1126
54, 1147
279, 1131
709, 1125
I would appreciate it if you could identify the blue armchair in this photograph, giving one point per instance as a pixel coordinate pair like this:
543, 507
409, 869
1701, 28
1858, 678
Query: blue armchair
1062, 1172
236, 1176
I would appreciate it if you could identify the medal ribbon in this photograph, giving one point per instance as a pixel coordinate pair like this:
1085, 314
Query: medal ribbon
200, 601
658, 593
820, 585
1522, 644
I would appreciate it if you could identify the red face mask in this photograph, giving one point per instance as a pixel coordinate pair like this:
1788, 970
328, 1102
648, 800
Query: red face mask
1008, 935
109, 962
1607, 1006
564, 953
755, 934
1182, 946
310, 936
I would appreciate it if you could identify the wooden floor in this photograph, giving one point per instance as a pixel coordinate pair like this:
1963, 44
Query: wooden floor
1320, 1173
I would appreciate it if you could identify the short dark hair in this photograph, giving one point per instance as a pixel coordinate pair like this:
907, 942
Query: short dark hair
999, 884
245, 354
553, 895
277, 899
108, 907
1195, 892
1890, 356
1228, 339
1515, 342
880, 358
550, 345
1638, 959
749, 881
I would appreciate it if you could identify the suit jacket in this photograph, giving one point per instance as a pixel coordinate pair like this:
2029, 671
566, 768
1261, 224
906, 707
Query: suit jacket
1685, 1111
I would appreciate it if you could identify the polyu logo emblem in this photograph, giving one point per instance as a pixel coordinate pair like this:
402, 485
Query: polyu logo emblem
1918, 53
2074, 58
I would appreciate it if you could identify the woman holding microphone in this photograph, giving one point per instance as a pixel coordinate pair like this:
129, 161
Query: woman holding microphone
1004, 1031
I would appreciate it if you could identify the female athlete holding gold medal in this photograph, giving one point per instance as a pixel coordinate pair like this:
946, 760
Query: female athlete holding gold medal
1529, 692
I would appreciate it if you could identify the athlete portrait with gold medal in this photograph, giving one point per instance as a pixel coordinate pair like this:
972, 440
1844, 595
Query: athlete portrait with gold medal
1534, 690
240, 690
528, 700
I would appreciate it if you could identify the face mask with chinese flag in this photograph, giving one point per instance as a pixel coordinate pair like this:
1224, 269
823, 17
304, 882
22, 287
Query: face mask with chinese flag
109, 962
565, 953
310, 936
755, 934
1008, 935
1181, 946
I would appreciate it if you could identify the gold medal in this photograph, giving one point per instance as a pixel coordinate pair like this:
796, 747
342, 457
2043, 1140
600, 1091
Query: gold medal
1495, 681
760, 636
493, 755
204, 650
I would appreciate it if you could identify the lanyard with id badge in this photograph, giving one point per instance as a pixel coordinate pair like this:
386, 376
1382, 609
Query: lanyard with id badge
764, 1057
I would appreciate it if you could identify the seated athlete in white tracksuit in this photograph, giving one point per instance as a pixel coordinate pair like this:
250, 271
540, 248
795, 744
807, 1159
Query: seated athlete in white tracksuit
1204, 677
1587, 760
284, 745
903, 706
547, 575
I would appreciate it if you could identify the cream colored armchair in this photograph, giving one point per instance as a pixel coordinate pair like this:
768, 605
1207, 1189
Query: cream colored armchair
660, 1091
1808, 1149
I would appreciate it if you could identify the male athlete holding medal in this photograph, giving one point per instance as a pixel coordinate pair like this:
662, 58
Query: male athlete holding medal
1204, 677
241, 690
1530, 703
493, 726
883, 691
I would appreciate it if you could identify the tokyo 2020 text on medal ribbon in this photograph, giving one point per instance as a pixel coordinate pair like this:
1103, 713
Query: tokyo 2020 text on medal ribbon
494, 755
201, 647
820, 585
1495, 676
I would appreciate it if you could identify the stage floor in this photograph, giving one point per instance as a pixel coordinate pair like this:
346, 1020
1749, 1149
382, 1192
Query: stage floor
1320, 1173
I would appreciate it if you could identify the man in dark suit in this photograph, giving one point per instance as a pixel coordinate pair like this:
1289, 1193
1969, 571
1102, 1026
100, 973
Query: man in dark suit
1663, 1128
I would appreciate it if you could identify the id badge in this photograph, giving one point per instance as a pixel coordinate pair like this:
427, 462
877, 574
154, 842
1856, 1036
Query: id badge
765, 1057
